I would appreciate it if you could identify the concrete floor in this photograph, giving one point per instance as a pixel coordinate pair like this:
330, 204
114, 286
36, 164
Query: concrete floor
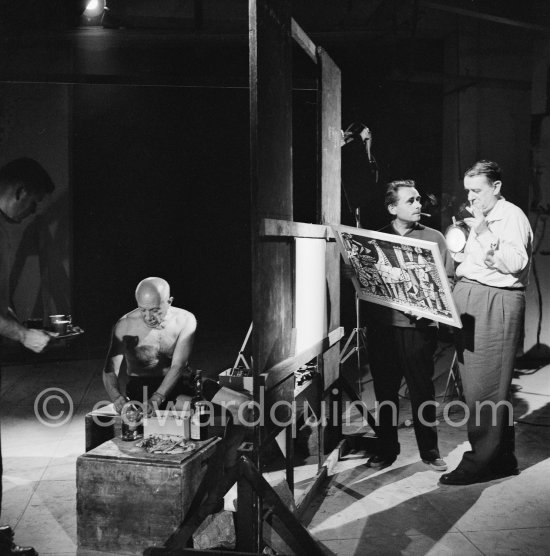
399, 510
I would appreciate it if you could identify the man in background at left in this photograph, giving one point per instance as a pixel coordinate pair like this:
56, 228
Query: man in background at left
23, 185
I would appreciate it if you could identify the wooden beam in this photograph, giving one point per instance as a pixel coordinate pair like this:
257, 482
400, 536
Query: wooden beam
293, 533
272, 227
329, 209
280, 371
459, 82
271, 178
300, 36
270, 79
484, 16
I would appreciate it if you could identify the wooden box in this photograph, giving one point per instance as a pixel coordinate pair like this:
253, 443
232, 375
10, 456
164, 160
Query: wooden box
128, 499
101, 425
239, 383
168, 422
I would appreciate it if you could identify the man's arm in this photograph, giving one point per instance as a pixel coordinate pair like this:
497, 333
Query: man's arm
180, 359
111, 369
33, 339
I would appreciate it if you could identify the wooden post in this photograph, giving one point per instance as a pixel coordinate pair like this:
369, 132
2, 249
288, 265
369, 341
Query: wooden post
330, 126
329, 209
271, 178
270, 63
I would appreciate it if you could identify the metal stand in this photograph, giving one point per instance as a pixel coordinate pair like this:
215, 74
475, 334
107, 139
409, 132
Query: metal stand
241, 358
356, 342
357, 339
454, 382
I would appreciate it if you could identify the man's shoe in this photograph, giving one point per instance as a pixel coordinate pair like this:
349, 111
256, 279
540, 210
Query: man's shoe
9, 548
22, 551
6, 532
501, 472
380, 461
436, 464
461, 477
504, 466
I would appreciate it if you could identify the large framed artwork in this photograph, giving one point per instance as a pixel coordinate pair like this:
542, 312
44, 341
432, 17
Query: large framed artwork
400, 272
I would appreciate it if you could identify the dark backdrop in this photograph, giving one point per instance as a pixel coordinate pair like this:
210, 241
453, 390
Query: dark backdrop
161, 188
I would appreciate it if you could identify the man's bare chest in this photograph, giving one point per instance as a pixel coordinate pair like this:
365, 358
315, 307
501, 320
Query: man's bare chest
150, 343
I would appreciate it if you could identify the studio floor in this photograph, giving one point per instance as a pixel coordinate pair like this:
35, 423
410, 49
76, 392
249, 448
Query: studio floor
399, 510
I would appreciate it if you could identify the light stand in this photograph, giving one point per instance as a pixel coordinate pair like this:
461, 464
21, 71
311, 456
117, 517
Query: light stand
356, 340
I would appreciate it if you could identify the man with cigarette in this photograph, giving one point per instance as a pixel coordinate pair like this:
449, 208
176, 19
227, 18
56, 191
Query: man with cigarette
490, 296
23, 185
400, 345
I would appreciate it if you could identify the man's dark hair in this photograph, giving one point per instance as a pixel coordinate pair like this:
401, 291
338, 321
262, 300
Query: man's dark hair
28, 173
392, 191
491, 170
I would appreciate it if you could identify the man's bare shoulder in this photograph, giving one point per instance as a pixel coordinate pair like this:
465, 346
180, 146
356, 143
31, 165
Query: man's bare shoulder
127, 321
183, 317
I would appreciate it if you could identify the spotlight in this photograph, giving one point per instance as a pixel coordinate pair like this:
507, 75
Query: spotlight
93, 12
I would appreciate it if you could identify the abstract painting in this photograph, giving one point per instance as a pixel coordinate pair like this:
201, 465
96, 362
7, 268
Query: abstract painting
396, 271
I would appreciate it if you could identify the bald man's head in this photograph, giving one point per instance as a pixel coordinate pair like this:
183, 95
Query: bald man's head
153, 299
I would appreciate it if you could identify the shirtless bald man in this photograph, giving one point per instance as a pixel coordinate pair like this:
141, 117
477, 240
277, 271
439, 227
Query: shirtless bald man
155, 341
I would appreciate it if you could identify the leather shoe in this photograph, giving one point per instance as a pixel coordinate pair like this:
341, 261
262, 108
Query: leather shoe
6, 532
501, 472
22, 551
380, 461
8, 547
504, 466
462, 477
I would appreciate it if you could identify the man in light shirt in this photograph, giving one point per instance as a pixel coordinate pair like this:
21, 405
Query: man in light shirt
490, 295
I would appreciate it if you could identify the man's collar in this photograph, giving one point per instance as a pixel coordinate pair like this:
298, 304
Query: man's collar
497, 212
416, 226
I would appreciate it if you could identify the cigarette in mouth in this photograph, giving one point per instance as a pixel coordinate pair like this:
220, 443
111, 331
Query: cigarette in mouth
425, 214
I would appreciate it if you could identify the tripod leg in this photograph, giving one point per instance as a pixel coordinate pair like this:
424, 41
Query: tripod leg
344, 384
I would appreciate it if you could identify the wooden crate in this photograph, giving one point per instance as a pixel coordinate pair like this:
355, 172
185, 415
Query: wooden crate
128, 499
239, 383
100, 427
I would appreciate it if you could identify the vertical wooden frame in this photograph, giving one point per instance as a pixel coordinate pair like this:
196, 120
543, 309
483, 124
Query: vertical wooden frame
329, 211
270, 78
271, 177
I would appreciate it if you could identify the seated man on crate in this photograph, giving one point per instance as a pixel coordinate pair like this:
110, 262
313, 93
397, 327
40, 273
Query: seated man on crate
155, 341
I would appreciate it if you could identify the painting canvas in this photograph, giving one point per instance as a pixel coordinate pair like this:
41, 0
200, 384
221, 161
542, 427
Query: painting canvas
400, 272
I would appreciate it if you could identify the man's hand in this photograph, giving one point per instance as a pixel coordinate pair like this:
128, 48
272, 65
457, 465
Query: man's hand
35, 340
153, 403
119, 403
410, 315
490, 258
477, 222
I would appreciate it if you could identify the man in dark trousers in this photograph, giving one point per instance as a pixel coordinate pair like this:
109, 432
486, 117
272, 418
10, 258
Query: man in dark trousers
23, 185
400, 345
490, 297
